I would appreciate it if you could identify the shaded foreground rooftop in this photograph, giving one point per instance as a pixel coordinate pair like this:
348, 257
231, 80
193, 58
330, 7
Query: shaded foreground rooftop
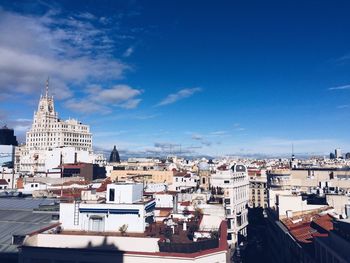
130, 243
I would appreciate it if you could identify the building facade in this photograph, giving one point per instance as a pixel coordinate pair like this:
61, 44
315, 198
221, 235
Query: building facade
234, 184
48, 131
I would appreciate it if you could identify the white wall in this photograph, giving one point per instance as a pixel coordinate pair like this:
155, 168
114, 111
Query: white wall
294, 204
164, 200
136, 245
111, 222
125, 193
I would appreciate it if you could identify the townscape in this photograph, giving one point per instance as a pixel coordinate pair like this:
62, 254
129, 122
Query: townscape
61, 202
175, 131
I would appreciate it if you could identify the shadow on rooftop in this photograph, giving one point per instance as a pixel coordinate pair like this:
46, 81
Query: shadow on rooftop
105, 252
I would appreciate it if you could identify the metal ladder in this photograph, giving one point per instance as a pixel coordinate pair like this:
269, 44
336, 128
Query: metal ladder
76, 213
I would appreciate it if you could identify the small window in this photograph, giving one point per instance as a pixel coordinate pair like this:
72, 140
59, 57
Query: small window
111, 194
18, 239
226, 182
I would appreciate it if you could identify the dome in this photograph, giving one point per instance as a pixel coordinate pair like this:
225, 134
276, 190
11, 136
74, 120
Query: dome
114, 158
203, 166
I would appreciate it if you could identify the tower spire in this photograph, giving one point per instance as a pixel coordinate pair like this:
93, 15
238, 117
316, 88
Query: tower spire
47, 88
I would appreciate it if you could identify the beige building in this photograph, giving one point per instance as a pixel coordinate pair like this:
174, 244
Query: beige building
257, 188
257, 192
302, 180
148, 176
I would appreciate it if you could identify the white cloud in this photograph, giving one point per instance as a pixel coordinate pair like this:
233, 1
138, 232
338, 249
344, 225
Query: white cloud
128, 52
102, 100
114, 95
340, 87
71, 50
181, 94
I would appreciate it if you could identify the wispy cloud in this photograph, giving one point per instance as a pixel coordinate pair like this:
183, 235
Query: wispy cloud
200, 138
343, 106
128, 52
218, 133
197, 137
340, 87
238, 127
181, 94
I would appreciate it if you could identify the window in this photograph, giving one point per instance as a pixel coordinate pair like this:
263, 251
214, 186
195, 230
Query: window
226, 182
111, 195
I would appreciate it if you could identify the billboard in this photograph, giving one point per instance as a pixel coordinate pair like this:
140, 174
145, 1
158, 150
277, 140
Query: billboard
6, 155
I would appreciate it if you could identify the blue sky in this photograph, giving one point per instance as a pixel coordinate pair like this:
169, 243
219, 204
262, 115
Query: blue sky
204, 77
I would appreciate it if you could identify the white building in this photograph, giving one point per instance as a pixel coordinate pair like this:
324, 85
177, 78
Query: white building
184, 181
338, 153
124, 206
49, 132
234, 183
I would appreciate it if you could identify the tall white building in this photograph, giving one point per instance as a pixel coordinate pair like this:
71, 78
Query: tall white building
234, 184
49, 132
338, 153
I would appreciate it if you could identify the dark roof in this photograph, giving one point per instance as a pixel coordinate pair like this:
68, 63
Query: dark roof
3, 181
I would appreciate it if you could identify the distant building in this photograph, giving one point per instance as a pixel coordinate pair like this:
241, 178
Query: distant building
338, 153
87, 170
146, 176
347, 156
114, 157
8, 141
49, 132
204, 175
331, 156
7, 136
257, 188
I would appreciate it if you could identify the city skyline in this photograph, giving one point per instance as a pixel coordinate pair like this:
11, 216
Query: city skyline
151, 77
